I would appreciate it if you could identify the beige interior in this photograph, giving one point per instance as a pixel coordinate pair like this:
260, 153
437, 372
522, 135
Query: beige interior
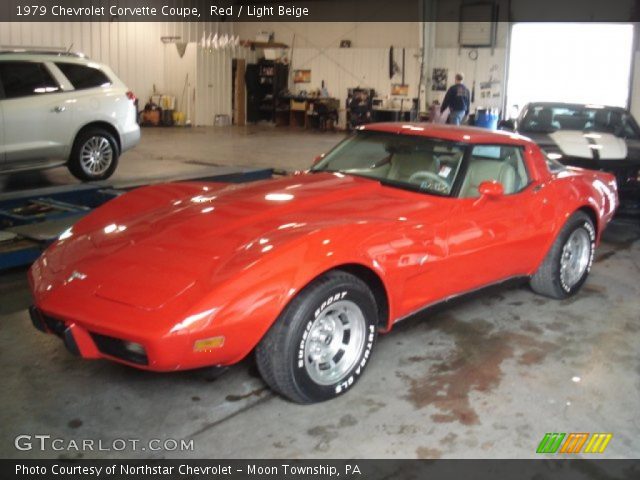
403, 165
486, 170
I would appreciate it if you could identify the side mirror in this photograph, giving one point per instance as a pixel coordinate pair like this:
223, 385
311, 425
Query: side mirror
509, 125
317, 160
491, 189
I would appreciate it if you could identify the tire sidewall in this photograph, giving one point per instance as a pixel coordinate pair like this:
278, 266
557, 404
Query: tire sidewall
304, 320
76, 165
576, 223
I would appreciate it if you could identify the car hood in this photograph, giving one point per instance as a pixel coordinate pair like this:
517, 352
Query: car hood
588, 145
153, 244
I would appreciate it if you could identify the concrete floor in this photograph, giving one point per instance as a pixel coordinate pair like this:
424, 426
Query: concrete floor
485, 377
176, 151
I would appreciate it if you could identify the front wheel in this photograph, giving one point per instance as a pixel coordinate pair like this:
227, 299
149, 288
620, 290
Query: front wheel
322, 342
94, 155
568, 263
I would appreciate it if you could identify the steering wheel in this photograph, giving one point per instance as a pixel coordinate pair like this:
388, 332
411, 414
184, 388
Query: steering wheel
442, 184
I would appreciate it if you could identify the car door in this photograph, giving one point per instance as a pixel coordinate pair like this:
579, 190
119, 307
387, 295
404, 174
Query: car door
495, 238
38, 110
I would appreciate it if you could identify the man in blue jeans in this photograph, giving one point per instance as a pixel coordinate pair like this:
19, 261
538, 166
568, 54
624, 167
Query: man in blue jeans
457, 100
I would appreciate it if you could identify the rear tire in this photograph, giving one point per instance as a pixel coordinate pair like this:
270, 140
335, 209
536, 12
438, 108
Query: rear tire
566, 267
94, 155
320, 345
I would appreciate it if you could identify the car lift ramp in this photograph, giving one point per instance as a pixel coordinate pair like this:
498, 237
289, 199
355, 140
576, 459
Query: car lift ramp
30, 220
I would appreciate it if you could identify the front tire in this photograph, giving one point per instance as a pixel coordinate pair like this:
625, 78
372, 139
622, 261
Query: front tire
94, 155
567, 265
320, 345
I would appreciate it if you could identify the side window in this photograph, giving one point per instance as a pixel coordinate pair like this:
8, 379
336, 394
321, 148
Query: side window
23, 79
629, 127
501, 163
83, 76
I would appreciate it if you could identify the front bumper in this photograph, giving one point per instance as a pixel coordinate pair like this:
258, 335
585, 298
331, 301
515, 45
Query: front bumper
82, 343
162, 354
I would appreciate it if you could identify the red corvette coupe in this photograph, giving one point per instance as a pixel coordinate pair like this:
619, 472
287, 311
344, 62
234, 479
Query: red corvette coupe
308, 268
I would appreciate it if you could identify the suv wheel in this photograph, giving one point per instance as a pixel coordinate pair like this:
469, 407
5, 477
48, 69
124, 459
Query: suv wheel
94, 155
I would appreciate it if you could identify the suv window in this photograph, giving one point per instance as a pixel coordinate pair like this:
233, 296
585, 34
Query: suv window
22, 79
502, 163
83, 76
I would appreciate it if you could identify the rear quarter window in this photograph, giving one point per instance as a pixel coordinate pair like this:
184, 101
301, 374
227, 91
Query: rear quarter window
24, 79
83, 76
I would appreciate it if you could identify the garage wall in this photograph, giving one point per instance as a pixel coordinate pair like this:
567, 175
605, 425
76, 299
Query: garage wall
214, 81
132, 49
344, 68
315, 46
483, 76
180, 77
487, 71
328, 34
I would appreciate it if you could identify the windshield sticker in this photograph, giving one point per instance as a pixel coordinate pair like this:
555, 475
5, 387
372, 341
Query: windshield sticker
444, 171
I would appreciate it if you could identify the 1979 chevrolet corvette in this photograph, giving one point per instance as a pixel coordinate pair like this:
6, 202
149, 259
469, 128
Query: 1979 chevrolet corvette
308, 268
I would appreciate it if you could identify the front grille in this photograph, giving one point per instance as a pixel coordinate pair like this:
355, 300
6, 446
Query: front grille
115, 348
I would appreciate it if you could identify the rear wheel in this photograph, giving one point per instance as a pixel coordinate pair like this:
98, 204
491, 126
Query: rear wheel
94, 155
567, 265
321, 343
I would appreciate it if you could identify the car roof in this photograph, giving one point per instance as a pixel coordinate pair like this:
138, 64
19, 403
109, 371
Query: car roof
454, 133
42, 56
574, 105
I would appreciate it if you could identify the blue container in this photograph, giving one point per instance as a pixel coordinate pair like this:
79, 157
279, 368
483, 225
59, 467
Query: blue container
487, 118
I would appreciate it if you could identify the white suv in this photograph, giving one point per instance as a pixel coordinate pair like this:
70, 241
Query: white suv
61, 108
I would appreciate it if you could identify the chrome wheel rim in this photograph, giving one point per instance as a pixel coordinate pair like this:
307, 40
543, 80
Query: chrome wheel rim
334, 343
575, 257
96, 155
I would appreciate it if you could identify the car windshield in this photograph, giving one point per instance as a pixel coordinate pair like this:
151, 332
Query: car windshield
413, 162
550, 118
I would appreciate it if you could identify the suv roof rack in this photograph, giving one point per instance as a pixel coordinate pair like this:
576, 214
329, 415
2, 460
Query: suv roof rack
38, 50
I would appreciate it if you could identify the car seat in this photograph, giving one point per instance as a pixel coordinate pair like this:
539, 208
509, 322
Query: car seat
406, 164
480, 171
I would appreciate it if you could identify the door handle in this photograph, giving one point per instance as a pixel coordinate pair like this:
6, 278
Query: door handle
59, 109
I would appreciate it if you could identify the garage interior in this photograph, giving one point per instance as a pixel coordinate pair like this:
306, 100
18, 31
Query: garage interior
484, 376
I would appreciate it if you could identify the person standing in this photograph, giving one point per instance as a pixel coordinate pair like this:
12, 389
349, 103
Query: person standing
457, 100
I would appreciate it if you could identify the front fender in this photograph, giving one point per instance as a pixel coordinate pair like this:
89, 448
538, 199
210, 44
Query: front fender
252, 290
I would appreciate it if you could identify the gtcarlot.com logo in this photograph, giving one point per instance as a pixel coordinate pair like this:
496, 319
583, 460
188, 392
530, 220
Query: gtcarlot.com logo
574, 443
47, 442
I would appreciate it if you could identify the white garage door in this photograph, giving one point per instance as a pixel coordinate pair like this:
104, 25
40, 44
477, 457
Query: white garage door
569, 62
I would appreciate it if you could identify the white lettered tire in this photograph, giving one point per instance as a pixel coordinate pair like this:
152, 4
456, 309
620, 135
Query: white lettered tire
322, 342
567, 265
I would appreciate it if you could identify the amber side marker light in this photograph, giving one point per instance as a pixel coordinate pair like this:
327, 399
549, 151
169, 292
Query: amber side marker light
208, 344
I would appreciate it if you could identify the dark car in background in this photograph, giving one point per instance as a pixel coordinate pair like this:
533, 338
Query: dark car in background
589, 136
